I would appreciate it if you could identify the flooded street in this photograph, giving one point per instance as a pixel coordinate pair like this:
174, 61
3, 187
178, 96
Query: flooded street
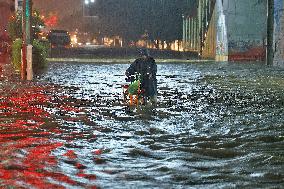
217, 125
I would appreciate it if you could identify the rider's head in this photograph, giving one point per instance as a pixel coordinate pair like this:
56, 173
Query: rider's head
144, 52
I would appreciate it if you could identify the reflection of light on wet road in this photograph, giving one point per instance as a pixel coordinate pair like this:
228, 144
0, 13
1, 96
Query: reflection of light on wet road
215, 124
27, 141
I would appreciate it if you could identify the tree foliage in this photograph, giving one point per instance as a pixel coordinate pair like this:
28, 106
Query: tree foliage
15, 25
40, 49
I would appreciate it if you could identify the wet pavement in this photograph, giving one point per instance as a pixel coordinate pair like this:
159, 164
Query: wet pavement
217, 125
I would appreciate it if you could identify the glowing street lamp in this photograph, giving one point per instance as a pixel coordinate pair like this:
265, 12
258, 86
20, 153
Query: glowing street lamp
87, 3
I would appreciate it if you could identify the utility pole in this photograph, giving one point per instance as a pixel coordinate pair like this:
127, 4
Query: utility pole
24, 46
221, 33
26, 52
270, 32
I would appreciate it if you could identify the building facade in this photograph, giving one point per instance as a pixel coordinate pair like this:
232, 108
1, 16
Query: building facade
237, 27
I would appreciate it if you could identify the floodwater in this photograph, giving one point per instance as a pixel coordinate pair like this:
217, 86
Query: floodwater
217, 125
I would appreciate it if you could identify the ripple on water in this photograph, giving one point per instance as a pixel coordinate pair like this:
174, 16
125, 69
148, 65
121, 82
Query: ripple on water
217, 125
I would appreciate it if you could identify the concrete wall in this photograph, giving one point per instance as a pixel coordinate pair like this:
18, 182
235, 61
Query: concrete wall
246, 24
279, 33
209, 51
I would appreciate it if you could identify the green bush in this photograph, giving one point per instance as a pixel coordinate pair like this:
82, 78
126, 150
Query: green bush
40, 53
40, 48
16, 54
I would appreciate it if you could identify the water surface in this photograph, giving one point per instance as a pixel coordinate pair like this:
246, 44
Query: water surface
217, 125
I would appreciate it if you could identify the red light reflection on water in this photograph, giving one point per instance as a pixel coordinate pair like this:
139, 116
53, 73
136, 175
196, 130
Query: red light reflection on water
26, 147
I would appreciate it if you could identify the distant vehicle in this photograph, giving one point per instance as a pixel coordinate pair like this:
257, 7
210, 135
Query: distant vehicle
59, 38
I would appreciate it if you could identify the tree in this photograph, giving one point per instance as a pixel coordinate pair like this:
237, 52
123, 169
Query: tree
15, 25
40, 49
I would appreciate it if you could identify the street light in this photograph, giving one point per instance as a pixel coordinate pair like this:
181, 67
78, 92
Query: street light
88, 15
89, 1
85, 4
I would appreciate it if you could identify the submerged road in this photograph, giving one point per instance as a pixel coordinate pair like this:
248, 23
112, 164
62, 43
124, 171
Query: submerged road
217, 125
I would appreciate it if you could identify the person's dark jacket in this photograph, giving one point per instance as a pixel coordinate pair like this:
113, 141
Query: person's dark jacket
147, 69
